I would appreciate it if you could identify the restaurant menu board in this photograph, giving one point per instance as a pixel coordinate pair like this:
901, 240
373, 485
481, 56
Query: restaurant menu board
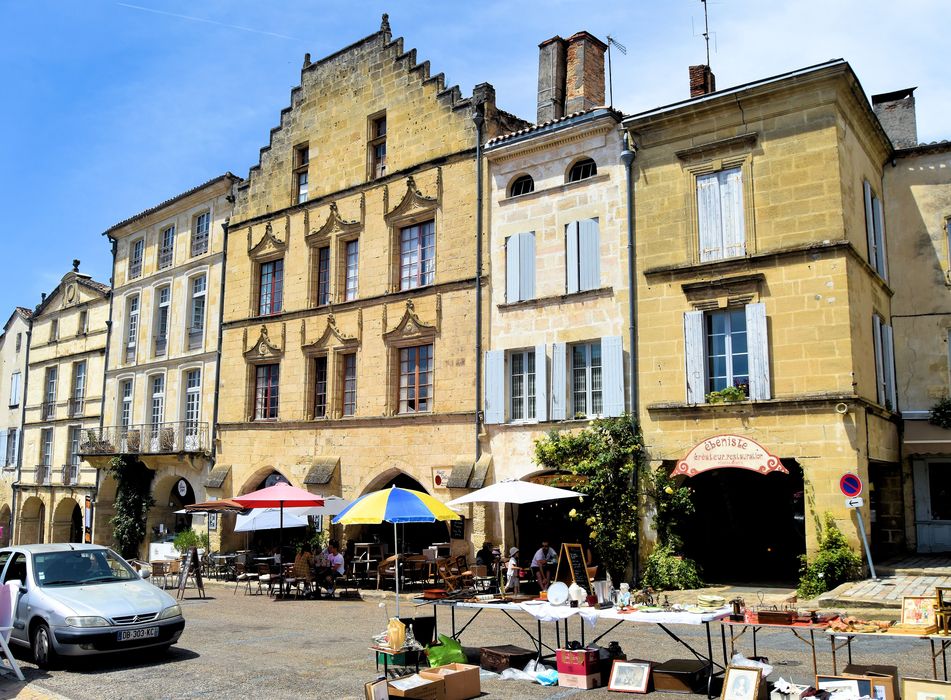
191, 564
457, 529
573, 555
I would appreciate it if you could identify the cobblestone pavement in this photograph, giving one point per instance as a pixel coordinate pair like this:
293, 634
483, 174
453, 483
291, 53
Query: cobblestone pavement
239, 646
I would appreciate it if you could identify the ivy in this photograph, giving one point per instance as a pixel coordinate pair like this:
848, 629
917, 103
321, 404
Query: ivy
941, 414
133, 500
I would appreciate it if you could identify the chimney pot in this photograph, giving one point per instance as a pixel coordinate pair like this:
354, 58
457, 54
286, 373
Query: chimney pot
702, 80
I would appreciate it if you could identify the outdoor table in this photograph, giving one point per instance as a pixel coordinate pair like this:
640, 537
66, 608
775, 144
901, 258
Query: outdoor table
389, 656
755, 627
938, 643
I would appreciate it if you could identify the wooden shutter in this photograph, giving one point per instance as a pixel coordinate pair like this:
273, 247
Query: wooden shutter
612, 375
881, 259
879, 363
695, 356
922, 483
589, 255
526, 264
16, 446
869, 223
708, 215
757, 344
731, 208
512, 268
559, 381
14, 388
888, 358
494, 387
571, 256
541, 383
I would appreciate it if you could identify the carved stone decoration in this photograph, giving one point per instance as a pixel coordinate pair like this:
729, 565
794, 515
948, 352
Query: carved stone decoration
413, 202
332, 337
263, 349
268, 245
334, 224
409, 326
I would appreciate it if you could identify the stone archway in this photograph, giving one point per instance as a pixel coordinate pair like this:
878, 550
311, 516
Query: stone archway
6, 523
104, 510
262, 477
171, 492
67, 521
32, 521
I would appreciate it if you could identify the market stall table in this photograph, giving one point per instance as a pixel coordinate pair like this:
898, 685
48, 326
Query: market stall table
755, 627
939, 644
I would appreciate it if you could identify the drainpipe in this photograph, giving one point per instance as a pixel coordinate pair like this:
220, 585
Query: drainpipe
627, 160
26, 381
105, 369
221, 311
479, 120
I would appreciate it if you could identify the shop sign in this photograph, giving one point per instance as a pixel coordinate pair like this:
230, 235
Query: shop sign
728, 451
441, 478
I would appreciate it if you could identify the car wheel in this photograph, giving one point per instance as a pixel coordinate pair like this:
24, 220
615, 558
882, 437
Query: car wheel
44, 655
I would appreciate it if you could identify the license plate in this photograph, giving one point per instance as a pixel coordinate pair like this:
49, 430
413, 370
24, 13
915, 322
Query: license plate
130, 635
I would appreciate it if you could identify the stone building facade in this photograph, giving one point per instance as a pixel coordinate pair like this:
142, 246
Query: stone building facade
14, 343
67, 345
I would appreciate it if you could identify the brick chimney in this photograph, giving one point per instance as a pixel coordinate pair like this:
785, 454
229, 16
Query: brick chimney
896, 113
551, 79
585, 73
702, 80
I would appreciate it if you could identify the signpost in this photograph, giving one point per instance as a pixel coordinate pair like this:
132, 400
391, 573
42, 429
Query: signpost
851, 486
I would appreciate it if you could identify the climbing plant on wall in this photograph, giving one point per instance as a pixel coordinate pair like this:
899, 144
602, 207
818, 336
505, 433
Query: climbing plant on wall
133, 500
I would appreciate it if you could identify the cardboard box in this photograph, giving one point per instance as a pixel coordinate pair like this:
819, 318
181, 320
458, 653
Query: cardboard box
462, 680
429, 689
582, 662
579, 680
883, 671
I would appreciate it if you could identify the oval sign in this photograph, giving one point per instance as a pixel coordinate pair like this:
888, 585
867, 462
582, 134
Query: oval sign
850, 484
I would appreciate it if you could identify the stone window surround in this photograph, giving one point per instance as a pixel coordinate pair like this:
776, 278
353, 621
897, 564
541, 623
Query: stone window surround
300, 167
556, 189
745, 163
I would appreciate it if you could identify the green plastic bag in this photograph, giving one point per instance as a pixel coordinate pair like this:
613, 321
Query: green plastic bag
448, 651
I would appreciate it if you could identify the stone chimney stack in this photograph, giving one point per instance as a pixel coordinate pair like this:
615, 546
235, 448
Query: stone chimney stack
896, 113
551, 79
702, 80
585, 73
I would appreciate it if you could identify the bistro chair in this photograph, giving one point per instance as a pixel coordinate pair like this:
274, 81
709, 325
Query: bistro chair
160, 569
265, 577
242, 575
386, 569
451, 581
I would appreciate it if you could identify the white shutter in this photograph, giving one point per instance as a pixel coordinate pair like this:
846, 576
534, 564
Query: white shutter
14, 388
494, 386
888, 358
757, 344
731, 207
512, 268
708, 213
612, 375
559, 381
869, 223
571, 256
16, 446
881, 258
526, 264
695, 356
879, 363
589, 255
541, 383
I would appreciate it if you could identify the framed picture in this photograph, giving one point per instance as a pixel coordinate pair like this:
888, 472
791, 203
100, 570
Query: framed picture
917, 610
845, 687
377, 690
921, 689
629, 676
212, 521
741, 683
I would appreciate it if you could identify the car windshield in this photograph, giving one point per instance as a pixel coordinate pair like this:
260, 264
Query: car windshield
78, 567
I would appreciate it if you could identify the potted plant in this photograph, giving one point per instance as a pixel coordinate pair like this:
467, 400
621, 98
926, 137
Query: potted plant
167, 439
132, 441
730, 394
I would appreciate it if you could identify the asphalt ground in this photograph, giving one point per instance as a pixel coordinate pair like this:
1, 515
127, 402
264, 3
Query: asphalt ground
240, 646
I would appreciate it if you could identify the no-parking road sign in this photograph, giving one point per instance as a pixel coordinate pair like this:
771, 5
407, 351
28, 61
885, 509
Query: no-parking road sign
851, 485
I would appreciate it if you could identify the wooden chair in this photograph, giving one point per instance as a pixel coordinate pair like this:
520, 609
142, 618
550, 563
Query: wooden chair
386, 569
461, 569
451, 581
160, 569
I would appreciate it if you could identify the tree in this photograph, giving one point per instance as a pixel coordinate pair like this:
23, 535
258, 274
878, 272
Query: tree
133, 500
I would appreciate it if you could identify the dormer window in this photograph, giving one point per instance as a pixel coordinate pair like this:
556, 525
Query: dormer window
522, 185
582, 170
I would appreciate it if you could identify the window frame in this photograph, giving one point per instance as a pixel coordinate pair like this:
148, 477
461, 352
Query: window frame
301, 172
518, 182
196, 326
404, 387
200, 240
584, 168
163, 314
348, 383
588, 369
266, 398
322, 270
875, 230
321, 387
82, 326
730, 357
748, 229
406, 279
191, 405
54, 330
133, 304
136, 256
376, 162
351, 292
46, 448
15, 378
12, 446
276, 288
126, 402
158, 389
165, 250
529, 377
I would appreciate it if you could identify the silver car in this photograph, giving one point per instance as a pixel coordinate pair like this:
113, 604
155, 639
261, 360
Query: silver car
78, 599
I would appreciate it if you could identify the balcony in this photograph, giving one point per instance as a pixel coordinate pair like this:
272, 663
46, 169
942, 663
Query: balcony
162, 438
165, 258
43, 475
48, 410
70, 474
76, 407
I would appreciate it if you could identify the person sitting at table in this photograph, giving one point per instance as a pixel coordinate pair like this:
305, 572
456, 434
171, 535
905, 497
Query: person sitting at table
333, 566
486, 557
542, 564
512, 569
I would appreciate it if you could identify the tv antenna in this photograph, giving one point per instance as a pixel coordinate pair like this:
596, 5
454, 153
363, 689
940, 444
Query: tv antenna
623, 49
706, 30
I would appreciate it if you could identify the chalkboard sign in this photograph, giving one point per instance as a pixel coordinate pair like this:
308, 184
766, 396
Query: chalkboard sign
457, 529
191, 565
575, 565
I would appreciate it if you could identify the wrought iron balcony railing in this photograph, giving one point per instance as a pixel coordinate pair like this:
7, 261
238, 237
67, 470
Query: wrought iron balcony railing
48, 410
159, 438
195, 337
76, 407
70, 474
161, 344
43, 474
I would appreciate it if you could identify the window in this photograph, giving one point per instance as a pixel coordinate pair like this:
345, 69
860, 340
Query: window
46, 448
520, 267
125, 410
266, 392
522, 385
720, 214
301, 163
271, 288
75, 437
54, 330
523, 184
166, 250
14, 389
417, 255
727, 349
19, 341
78, 394
12, 443
163, 300
83, 326
582, 170
132, 327
349, 384
323, 276
884, 346
200, 229
49, 404
196, 324
136, 249
516, 384
586, 392
157, 416
377, 146
320, 387
192, 408
875, 230
582, 256
351, 277
416, 379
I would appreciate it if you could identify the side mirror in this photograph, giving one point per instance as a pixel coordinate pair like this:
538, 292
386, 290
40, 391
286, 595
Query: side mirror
145, 573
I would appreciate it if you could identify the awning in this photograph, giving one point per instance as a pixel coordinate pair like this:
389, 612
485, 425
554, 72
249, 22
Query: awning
923, 438
217, 476
321, 470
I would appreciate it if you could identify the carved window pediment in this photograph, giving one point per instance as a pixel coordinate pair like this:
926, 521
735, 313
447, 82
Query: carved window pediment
268, 247
410, 328
263, 351
413, 205
335, 225
331, 338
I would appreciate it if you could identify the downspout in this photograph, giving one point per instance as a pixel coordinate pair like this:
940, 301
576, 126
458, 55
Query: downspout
479, 120
105, 369
26, 381
221, 311
627, 160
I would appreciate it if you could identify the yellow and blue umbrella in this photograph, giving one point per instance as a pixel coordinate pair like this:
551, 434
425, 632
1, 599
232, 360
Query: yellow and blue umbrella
395, 505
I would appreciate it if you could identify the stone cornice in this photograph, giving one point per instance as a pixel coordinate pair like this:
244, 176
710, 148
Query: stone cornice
351, 422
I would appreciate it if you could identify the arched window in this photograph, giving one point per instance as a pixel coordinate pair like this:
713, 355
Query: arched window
523, 184
582, 170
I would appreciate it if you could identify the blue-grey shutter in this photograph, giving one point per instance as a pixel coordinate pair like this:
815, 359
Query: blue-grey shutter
881, 258
888, 358
695, 355
512, 268
559, 381
708, 217
757, 344
589, 255
494, 386
571, 256
16, 445
731, 207
526, 264
870, 223
612, 375
879, 362
541, 383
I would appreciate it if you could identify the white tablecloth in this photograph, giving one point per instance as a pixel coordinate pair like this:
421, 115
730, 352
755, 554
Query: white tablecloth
546, 612
671, 618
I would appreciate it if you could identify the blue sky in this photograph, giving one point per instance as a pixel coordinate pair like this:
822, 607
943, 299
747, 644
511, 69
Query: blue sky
111, 107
